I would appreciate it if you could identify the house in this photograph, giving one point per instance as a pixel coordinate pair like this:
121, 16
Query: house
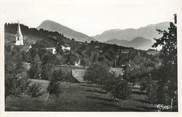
116, 71
52, 50
65, 48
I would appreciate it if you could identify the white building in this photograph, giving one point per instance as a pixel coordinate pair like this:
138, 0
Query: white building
19, 36
64, 48
117, 71
52, 50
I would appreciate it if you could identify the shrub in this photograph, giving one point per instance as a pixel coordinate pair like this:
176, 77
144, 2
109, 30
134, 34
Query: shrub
35, 71
109, 83
121, 89
144, 83
47, 71
34, 90
118, 87
54, 88
152, 92
9, 86
15, 86
58, 75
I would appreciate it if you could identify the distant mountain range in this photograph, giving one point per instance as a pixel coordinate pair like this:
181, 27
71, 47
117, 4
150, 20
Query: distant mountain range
148, 32
67, 32
141, 38
137, 43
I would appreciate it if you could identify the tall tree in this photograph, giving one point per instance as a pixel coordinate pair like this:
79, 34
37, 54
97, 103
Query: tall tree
168, 42
168, 82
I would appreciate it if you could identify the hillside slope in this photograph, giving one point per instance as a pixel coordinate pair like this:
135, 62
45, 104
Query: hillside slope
68, 32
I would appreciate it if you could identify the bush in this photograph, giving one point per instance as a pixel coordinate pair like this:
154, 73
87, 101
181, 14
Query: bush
121, 89
152, 92
47, 71
58, 75
35, 71
9, 86
54, 88
15, 86
109, 83
144, 83
34, 90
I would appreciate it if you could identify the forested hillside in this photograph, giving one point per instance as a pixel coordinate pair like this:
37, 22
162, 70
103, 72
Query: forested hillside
88, 53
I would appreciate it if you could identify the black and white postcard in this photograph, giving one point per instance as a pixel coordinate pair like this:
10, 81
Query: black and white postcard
90, 56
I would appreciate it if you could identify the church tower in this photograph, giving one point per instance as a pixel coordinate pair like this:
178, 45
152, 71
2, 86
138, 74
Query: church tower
19, 36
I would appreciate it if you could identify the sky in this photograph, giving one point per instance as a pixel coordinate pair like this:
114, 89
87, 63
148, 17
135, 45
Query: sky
89, 16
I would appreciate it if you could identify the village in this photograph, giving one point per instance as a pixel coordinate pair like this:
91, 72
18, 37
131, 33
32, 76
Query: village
46, 71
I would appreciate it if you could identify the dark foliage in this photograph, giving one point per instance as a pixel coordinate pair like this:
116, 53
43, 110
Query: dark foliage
34, 90
118, 87
100, 74
167, 82
53, 87
121, 89
97, 74
15, 86
59, 75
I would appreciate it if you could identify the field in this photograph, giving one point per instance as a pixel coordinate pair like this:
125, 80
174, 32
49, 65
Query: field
78, 97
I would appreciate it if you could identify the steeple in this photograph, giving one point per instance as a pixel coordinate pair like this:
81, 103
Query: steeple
19, 36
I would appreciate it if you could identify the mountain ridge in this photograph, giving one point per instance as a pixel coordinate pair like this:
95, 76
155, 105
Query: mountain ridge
137, 43
66, 31
139, 38
148, 32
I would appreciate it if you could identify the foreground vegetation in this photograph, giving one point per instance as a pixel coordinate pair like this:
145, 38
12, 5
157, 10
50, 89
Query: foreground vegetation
79, 97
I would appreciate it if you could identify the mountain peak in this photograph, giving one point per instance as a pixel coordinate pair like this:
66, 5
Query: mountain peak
66, 31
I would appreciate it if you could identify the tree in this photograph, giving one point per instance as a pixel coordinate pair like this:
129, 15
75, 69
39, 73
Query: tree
121, 89
54, 88
97, 73
35, 69
169, 44
137, 67
168, 83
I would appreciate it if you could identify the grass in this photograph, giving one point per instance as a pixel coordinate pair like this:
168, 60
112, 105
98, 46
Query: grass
78, 97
